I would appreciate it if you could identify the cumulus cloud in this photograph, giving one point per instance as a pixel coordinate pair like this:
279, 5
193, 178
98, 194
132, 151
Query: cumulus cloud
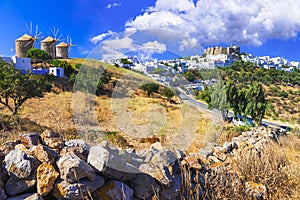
101, 37
208, 22
111, 5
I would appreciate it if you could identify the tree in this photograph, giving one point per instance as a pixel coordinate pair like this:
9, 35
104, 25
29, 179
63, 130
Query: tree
257, 104
218, 99
38, 55
150, 88
16, 88
167, 92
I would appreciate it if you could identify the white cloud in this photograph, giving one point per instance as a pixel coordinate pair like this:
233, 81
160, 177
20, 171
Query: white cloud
208, 22
111, 5
100, 37
154, 47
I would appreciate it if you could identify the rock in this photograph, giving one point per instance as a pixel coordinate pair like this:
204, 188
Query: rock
113, 190
164, 159
27, 197
114, 164
46, 176
156, 172
79, 190
92, 186
79, 147
228, 147
173, 192
52, 139
144, 186
2, 194
192, 162
44, 154
72, 168
255, 190
16, 186
156, 146
74, 191
20, 164
29, 139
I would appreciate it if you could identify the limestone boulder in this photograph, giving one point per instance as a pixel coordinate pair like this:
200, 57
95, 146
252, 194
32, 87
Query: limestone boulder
74, 191
113, 190
144, 186
79, 190
15, 186
46, 176
112, 163
72, 168
2, 194
44, 154
20, 164
52, 139
29, 139
79, 147
28, 196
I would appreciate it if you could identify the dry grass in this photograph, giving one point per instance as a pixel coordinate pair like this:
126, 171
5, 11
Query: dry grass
277, 167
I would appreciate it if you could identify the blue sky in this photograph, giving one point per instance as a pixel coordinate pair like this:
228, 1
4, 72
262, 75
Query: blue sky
183, 27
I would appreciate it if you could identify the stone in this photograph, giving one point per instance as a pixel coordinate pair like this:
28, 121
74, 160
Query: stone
16, 186
20, 164
72, 168
164, 158
114, 164
79, 190
44, 154
92, 186
74, 191
156, 172
29, 139
156, 146
113, 190
79, 147
2, 194
46, 176
192, 162
34, 196
228, 147
255, 190
144, 186
52, 139
172, 192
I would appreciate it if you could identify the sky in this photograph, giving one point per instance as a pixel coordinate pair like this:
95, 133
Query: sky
114, 28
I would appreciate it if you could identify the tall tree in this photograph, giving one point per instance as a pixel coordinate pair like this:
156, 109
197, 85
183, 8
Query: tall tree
16, 88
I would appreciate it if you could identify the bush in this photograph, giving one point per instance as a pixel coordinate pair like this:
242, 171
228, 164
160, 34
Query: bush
38, 55
149, 88
167, 92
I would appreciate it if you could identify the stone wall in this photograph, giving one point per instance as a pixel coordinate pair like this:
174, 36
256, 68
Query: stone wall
37, 167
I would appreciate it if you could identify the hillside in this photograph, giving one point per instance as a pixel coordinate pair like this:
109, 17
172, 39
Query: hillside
130, 120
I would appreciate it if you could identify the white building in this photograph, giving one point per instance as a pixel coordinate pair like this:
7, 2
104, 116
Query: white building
57, 71
23, 64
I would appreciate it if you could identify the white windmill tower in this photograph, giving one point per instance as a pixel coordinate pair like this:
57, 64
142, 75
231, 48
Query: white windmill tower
63, 49
48, 44
26, 41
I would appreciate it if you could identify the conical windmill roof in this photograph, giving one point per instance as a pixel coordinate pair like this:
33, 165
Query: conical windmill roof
62, 44
25, 37
48, 40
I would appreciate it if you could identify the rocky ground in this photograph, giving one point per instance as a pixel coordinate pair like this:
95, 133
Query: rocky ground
37, 167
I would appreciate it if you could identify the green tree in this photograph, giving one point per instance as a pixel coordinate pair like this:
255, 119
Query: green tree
16, 88
38, 55
218, 99
150, 88
257, 105
167, 92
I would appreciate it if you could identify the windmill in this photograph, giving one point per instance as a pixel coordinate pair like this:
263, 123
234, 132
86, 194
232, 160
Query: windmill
48, 44
63, 49
27, 41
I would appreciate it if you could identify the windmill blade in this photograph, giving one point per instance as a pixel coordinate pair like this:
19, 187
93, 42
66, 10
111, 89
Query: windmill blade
28, 43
